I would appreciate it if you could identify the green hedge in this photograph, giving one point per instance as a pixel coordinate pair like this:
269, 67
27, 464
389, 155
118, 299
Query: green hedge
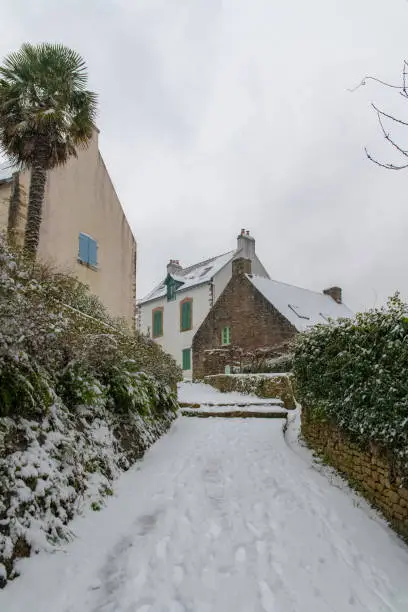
58, 340
355, 373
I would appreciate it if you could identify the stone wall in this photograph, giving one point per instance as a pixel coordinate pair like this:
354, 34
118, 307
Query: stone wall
253, 321
263, 385
372, 471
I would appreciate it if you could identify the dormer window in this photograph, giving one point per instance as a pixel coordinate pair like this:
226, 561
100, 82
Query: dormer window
171, 290
172, 285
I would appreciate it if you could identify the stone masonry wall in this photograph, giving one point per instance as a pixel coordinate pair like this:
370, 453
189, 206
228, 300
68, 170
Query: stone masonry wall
253, 321
263, 385
374, 473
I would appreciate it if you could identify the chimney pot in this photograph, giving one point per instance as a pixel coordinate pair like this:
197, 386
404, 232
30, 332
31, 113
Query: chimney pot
335, 293
245, 245
173, 267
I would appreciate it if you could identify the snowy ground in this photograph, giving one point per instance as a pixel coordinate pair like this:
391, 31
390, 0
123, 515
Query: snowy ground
222, 515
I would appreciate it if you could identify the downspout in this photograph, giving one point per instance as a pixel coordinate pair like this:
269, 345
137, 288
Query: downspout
14, 210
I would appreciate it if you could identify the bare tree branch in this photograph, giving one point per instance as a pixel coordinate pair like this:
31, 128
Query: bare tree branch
369, 78
403, 91
381, 112
388, 137
388, 166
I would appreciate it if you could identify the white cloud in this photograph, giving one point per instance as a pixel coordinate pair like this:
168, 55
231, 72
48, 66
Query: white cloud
219, 115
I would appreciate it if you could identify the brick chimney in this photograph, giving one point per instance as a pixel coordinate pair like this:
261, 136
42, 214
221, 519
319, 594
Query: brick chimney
246, 245
335, 293
173, 267
241, 266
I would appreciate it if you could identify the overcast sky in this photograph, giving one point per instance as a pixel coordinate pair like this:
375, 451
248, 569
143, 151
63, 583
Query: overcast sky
222, 114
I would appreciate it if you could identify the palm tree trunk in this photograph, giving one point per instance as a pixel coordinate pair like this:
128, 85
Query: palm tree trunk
34, 215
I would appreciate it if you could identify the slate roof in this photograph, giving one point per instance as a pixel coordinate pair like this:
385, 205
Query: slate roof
192, 276
301, 307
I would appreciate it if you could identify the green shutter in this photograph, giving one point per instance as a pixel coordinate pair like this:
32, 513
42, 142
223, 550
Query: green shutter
226, 335
157, 323
186, 316
187, 359
171, 291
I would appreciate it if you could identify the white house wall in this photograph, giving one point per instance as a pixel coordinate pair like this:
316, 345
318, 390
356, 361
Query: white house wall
173, 340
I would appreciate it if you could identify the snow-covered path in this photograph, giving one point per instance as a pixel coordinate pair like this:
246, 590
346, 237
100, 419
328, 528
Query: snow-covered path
222, 515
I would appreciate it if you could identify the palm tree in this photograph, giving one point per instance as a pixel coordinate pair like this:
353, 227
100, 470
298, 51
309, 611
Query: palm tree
46, 114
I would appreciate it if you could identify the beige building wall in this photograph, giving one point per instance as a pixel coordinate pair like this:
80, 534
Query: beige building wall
80, 198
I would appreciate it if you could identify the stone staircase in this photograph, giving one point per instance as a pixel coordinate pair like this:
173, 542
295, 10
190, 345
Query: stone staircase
271, 409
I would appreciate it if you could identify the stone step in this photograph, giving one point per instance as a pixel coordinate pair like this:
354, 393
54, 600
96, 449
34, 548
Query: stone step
240, 404
242, 414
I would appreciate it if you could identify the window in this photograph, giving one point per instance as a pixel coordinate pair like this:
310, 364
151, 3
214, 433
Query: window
157, 315
204, 272
298, 311
172, 286
226, 336
186, 359
171, 291
87, 252
186, 314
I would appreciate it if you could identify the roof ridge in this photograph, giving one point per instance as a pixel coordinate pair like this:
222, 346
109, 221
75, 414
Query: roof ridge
205, 261
288, 284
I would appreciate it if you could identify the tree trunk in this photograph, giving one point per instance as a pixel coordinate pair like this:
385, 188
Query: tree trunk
34, 215
14, 209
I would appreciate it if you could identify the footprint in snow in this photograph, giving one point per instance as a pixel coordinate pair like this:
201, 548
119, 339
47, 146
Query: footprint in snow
267, 597
214, 531
176, 606
146, 605
161, 548
178, 575
240, 555
253, 530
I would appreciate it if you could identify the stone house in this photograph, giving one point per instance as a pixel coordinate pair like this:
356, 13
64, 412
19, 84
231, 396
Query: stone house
174, 310
83, 231
256, 313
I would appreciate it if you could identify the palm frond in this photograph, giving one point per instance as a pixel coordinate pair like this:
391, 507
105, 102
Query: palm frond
44, 104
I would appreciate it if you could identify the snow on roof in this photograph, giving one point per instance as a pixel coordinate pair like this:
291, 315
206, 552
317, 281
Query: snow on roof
6, 171
301, 307
193, 275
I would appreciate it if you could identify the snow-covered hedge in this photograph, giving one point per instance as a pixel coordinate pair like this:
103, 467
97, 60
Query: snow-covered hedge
355, 373
271, 365
81, 397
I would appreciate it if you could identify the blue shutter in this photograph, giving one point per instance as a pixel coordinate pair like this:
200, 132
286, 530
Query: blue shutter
92, 252
83, 248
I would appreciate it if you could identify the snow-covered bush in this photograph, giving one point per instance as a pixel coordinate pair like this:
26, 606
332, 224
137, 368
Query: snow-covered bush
355, 372
76, 386
131, 391
279, 364
81, 398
